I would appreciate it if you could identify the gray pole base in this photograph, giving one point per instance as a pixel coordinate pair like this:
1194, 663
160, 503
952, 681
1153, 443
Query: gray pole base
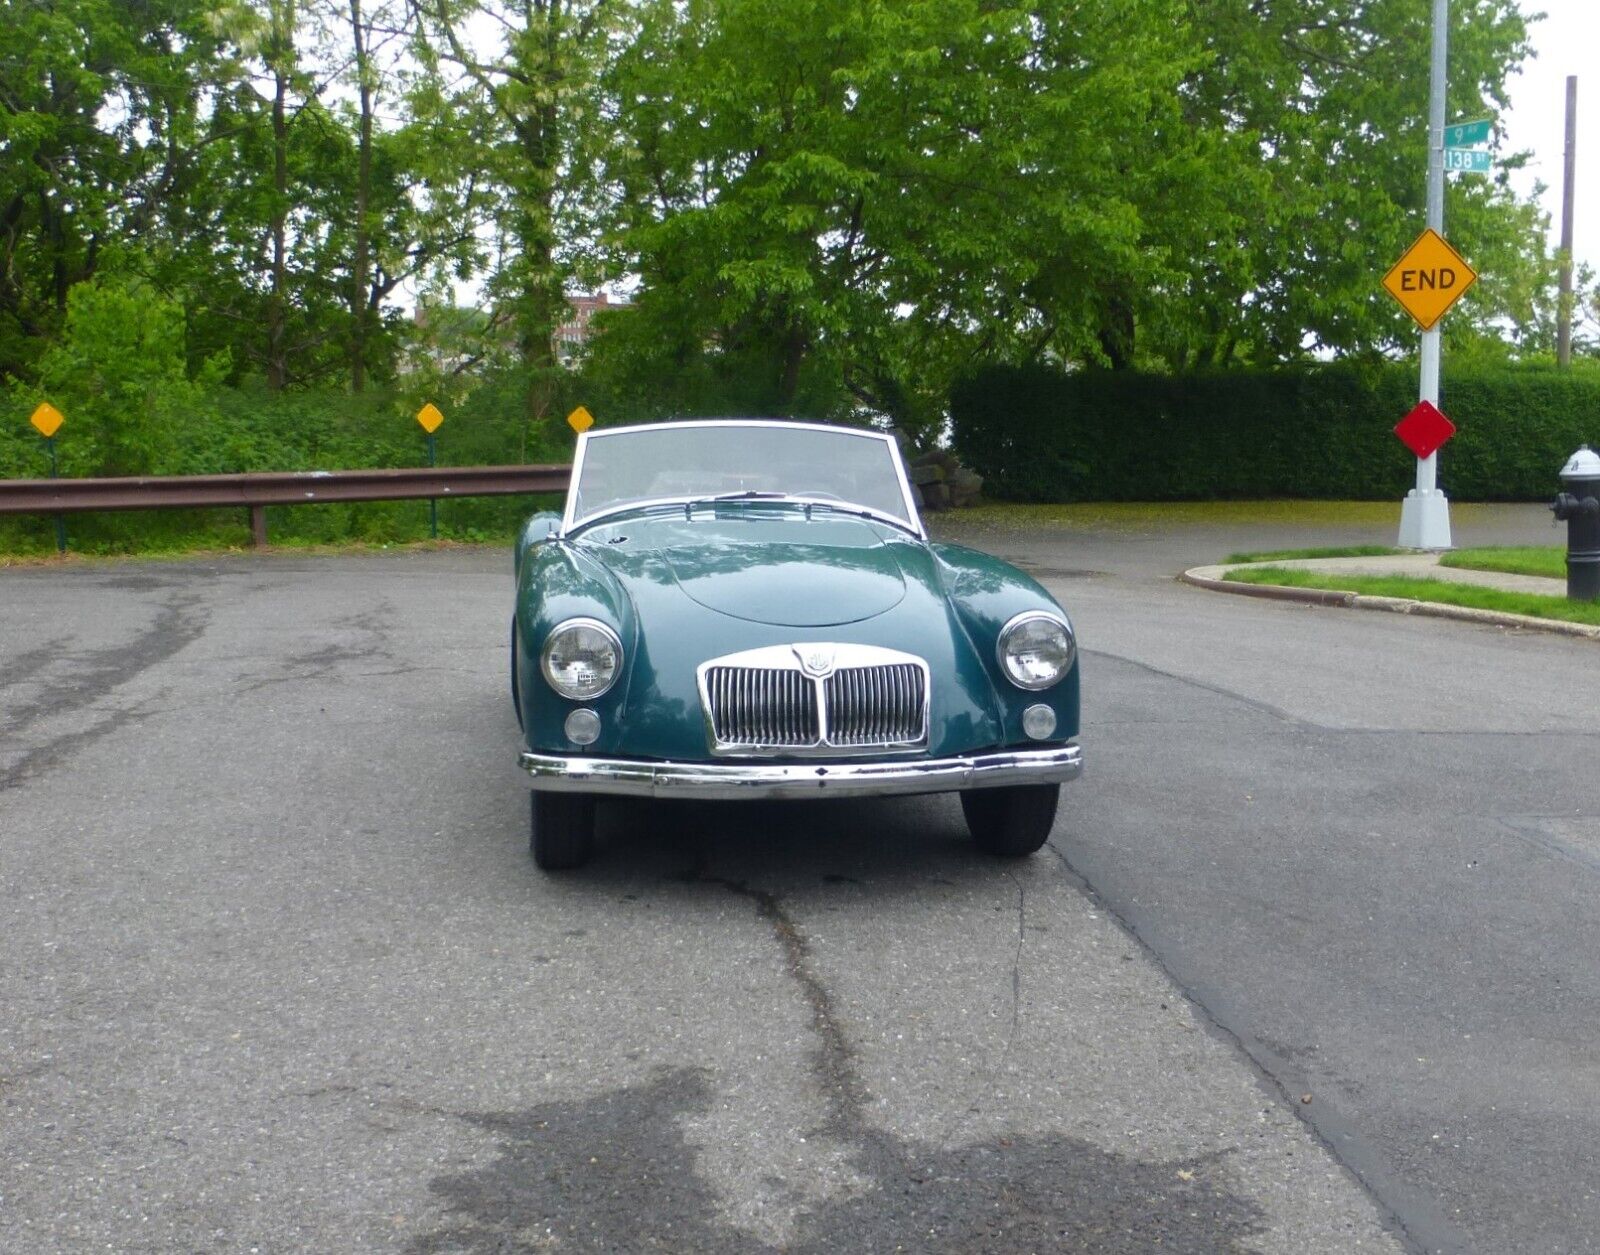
1425, 521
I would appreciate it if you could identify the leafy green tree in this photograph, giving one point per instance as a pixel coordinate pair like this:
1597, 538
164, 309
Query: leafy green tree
510, 114
98, 106
120, 370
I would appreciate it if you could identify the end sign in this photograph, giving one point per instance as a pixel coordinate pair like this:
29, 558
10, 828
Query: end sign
1428, 278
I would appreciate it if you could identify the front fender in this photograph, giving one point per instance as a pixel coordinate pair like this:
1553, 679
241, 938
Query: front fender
556, 582
986, 593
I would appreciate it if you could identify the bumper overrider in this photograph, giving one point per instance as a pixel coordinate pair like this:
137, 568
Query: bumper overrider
634, 777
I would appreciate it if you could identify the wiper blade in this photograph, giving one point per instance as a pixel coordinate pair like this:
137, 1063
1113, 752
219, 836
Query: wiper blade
751, 495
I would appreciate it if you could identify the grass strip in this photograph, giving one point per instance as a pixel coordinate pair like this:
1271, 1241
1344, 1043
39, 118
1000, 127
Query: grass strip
1440, 591
1549, 561
1335, 551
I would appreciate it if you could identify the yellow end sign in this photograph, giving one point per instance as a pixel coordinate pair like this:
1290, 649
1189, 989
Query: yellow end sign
1428, 278
430, 417
47, 419
580, 420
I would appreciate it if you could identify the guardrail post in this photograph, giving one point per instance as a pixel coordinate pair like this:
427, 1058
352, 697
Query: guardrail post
258, 526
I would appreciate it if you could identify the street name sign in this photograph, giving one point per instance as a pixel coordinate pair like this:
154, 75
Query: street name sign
1424, 429
1428, 278
1466, 134
1468, 160
47, 419
430, 417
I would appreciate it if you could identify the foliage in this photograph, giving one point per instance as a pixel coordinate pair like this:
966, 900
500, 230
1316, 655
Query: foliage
1314, 431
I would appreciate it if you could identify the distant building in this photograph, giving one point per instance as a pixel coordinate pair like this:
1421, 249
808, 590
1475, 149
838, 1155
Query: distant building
572, 336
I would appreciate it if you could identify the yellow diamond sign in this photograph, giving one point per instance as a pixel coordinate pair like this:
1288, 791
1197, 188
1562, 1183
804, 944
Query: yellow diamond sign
47, 419
580, 420
430, 417
1428, 278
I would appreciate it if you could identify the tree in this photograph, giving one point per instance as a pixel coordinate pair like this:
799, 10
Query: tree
512, 110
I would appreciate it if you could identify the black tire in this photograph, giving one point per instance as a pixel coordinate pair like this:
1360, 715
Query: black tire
1011, 822
563, 830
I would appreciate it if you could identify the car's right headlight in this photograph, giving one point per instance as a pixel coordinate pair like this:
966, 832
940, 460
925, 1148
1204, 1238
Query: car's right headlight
581, 658
1036, 649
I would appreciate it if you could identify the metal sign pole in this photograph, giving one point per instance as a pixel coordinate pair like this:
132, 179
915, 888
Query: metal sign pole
433, 503
1425, 513
61, 523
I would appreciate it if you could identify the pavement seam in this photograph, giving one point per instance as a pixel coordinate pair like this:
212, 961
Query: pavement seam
834, 1062
1390, 1217
1196, 577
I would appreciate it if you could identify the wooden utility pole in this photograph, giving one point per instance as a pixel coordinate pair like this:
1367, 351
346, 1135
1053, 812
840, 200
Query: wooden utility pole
1564, 301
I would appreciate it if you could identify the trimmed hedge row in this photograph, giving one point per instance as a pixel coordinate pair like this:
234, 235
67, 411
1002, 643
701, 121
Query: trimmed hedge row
1324, 431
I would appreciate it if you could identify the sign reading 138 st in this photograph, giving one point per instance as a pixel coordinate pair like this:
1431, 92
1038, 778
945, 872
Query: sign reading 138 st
1428, 278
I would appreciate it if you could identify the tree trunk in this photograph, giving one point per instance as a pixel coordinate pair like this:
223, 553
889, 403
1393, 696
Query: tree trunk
358, 279
277, 363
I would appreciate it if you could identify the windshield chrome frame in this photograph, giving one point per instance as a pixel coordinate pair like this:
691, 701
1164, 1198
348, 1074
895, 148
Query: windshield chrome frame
912, 523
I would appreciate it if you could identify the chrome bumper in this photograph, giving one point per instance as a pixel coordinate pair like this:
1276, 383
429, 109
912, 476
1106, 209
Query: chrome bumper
632, 777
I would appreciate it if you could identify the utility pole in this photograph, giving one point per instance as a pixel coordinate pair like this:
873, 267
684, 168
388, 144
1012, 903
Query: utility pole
1425, 513
1564, 301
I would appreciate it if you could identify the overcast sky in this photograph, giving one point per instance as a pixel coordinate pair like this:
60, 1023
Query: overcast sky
1566, 42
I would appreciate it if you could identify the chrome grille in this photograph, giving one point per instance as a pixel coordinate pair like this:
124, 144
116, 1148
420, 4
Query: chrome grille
875, 705
815, 698
761, 706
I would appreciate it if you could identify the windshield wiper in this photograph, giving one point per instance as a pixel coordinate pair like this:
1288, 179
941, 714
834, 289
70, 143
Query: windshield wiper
750, 495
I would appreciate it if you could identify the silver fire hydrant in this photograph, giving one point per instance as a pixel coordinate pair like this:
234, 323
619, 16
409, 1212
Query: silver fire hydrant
1579, 504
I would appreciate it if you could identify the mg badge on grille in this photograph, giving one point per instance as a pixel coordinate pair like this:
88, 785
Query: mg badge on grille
816, 659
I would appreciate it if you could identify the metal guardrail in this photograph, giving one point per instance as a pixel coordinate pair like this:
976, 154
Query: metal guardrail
256, 492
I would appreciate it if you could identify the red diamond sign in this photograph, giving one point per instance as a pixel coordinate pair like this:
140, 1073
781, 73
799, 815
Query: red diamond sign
1424, 429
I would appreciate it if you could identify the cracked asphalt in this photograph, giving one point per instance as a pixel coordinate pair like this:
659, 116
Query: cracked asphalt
279, 975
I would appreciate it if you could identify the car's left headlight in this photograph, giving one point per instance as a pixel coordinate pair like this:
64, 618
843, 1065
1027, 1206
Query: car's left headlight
581, 658
1036, 649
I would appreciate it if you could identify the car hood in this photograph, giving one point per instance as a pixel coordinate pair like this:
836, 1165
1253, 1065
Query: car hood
849, 576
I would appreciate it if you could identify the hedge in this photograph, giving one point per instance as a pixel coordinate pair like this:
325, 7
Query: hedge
1325, 431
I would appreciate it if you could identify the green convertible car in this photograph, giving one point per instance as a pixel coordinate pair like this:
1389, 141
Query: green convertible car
752, 609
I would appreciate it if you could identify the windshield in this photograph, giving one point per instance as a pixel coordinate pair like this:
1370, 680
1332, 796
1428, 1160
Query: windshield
697, 461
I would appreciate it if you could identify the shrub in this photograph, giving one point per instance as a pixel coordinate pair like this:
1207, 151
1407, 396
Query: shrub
1323, 431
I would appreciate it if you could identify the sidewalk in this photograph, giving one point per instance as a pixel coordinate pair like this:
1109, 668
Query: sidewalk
1410, 565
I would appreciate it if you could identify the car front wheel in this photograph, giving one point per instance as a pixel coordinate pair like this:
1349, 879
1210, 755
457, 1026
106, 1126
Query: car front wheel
563, 830
1011, 822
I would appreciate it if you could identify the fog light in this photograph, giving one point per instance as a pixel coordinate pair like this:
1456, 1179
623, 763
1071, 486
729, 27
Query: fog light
1038, 722
583, 727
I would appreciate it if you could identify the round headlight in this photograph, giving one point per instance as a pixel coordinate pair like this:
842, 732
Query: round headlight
581, 659
1036, 650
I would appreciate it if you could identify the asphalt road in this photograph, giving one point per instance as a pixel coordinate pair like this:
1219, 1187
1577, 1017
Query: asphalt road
278, 974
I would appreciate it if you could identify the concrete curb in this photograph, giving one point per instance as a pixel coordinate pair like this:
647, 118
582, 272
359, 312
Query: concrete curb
1211, 578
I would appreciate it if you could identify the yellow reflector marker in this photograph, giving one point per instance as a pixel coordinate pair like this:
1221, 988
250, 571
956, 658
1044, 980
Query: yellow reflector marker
430, 417
580, 420
47, 419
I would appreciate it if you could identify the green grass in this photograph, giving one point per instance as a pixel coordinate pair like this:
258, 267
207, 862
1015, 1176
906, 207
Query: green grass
1335, 551
1112, 515
1426, 590
1549, 561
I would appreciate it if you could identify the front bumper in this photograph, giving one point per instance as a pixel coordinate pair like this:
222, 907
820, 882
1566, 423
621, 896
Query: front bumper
633, 777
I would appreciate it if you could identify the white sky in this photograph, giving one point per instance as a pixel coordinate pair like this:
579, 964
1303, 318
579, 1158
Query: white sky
1565, 42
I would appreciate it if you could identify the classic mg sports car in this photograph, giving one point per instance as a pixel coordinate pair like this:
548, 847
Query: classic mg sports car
752, 609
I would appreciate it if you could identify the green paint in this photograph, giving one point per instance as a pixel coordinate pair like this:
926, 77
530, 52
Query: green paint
1466, 134
1467, 161
679, 591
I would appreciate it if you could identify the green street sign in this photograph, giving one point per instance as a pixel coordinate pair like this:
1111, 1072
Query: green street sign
1466, 134
1467, 161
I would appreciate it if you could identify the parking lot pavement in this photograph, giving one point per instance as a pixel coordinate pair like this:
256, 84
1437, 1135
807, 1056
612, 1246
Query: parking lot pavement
1368, 845
279, 974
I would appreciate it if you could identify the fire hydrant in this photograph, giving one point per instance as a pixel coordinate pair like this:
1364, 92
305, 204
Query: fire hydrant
1579, 505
